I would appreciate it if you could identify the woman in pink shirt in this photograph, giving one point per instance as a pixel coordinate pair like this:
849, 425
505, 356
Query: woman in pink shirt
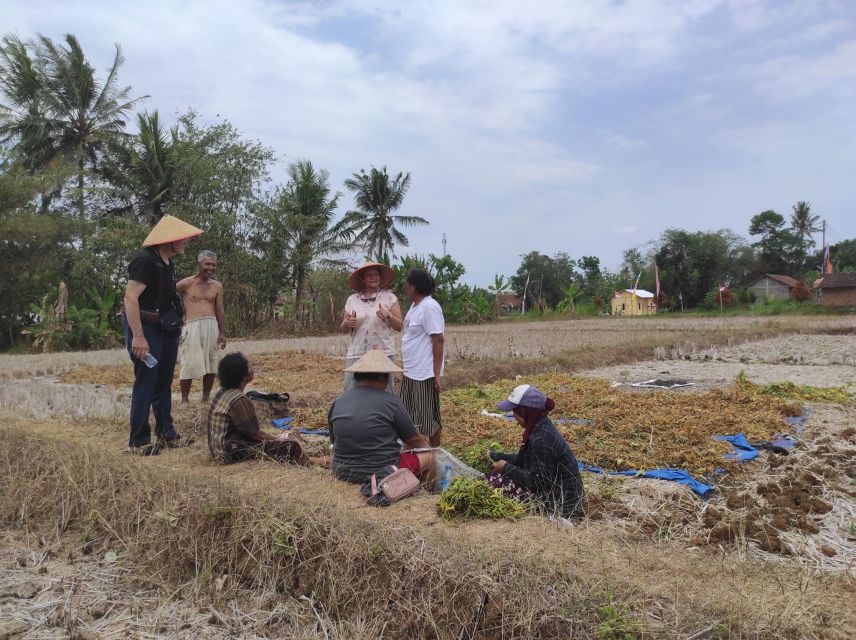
372, 315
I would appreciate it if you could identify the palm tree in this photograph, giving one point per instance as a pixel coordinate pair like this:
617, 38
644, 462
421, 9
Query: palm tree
60, 110
499, 287
143, 169
22, 118
377, 196
803, 222
309, 207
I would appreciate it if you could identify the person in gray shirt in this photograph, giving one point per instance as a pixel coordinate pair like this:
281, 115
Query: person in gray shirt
366, 423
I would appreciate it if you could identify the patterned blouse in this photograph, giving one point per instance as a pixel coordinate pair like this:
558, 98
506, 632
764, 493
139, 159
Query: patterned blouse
370, 330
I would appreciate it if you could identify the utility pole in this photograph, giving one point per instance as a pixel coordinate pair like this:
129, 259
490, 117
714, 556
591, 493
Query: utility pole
444, 246
823, 251
525, 289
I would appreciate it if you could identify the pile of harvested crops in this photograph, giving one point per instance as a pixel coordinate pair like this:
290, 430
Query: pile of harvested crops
472, 498
616, 429
611, 428
794, 391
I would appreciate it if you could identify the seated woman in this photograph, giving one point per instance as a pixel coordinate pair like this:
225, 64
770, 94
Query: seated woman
545, 466
366, 423
234, 433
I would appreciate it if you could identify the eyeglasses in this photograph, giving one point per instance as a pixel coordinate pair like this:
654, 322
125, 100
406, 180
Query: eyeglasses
372, 299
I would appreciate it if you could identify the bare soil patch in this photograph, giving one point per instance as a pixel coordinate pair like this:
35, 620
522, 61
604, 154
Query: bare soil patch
804, 359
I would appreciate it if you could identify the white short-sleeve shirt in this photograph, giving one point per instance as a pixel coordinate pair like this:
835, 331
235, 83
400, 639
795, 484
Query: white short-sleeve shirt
421, 322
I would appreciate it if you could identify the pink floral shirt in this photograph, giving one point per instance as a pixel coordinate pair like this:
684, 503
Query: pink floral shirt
371, 331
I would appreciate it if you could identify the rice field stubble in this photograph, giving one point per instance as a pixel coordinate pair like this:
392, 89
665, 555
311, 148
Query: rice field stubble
645, 547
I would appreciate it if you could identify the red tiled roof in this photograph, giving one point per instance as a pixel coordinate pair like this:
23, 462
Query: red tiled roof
837, 280
785, 280
510, 299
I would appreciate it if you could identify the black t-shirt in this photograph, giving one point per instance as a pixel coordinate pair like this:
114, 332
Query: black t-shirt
148, 268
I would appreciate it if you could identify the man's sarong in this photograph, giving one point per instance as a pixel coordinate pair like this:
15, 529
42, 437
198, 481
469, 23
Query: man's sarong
198, 350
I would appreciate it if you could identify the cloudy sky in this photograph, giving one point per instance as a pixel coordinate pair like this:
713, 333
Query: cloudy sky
579, 126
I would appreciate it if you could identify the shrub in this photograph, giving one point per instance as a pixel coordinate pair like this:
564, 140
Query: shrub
800, 292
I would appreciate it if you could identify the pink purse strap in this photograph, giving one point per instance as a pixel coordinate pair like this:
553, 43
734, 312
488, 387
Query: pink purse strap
374, 480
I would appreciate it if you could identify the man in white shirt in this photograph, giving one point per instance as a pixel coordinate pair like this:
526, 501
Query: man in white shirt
422, 353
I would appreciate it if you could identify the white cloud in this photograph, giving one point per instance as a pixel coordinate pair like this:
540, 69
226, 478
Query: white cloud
591, 122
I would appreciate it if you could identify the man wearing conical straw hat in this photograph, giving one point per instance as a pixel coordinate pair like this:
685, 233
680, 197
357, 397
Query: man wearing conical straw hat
153, 316
366, 422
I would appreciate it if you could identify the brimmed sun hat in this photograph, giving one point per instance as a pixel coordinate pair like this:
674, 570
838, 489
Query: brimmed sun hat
524, 395
387, 275
170, 229
375, 361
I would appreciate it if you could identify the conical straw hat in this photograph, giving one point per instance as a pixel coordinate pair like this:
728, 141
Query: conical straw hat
375, 361
170, 229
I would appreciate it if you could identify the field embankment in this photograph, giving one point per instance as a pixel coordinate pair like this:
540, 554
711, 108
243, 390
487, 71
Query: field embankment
291, 532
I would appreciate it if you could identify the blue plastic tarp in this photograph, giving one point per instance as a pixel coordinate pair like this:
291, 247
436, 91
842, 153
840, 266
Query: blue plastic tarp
673, 475
314, 432
287, 423
743, 451
780, 442
798, 422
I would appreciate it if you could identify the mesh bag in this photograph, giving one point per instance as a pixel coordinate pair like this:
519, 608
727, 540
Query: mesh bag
443, 457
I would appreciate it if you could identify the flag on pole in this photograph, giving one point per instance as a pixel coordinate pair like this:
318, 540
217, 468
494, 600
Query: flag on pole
636, 284
657, 281
721, 291
827, 262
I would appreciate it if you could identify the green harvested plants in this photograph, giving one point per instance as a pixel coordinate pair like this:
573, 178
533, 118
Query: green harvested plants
791, 391
471, 499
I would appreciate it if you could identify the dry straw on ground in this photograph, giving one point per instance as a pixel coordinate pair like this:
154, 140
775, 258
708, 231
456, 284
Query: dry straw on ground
287, 532
177, 529
644, 559
624, 430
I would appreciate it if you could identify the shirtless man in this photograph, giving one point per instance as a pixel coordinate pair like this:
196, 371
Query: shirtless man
204, 327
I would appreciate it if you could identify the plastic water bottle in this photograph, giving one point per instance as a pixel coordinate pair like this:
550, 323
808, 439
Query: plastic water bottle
447, 478
149, 360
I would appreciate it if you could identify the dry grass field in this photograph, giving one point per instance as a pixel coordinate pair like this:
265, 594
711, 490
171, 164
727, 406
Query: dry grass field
99, 544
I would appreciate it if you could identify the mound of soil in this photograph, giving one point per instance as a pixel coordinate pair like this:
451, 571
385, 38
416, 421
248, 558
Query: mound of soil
789, 499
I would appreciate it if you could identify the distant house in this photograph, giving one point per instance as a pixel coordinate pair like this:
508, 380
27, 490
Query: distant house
633, 302
837, 290
771, 286
509, 303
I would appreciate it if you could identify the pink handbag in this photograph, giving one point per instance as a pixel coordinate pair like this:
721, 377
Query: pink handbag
396, 486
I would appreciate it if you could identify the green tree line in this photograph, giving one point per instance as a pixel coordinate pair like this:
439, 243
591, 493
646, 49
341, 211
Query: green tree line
83, 177
84, 174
